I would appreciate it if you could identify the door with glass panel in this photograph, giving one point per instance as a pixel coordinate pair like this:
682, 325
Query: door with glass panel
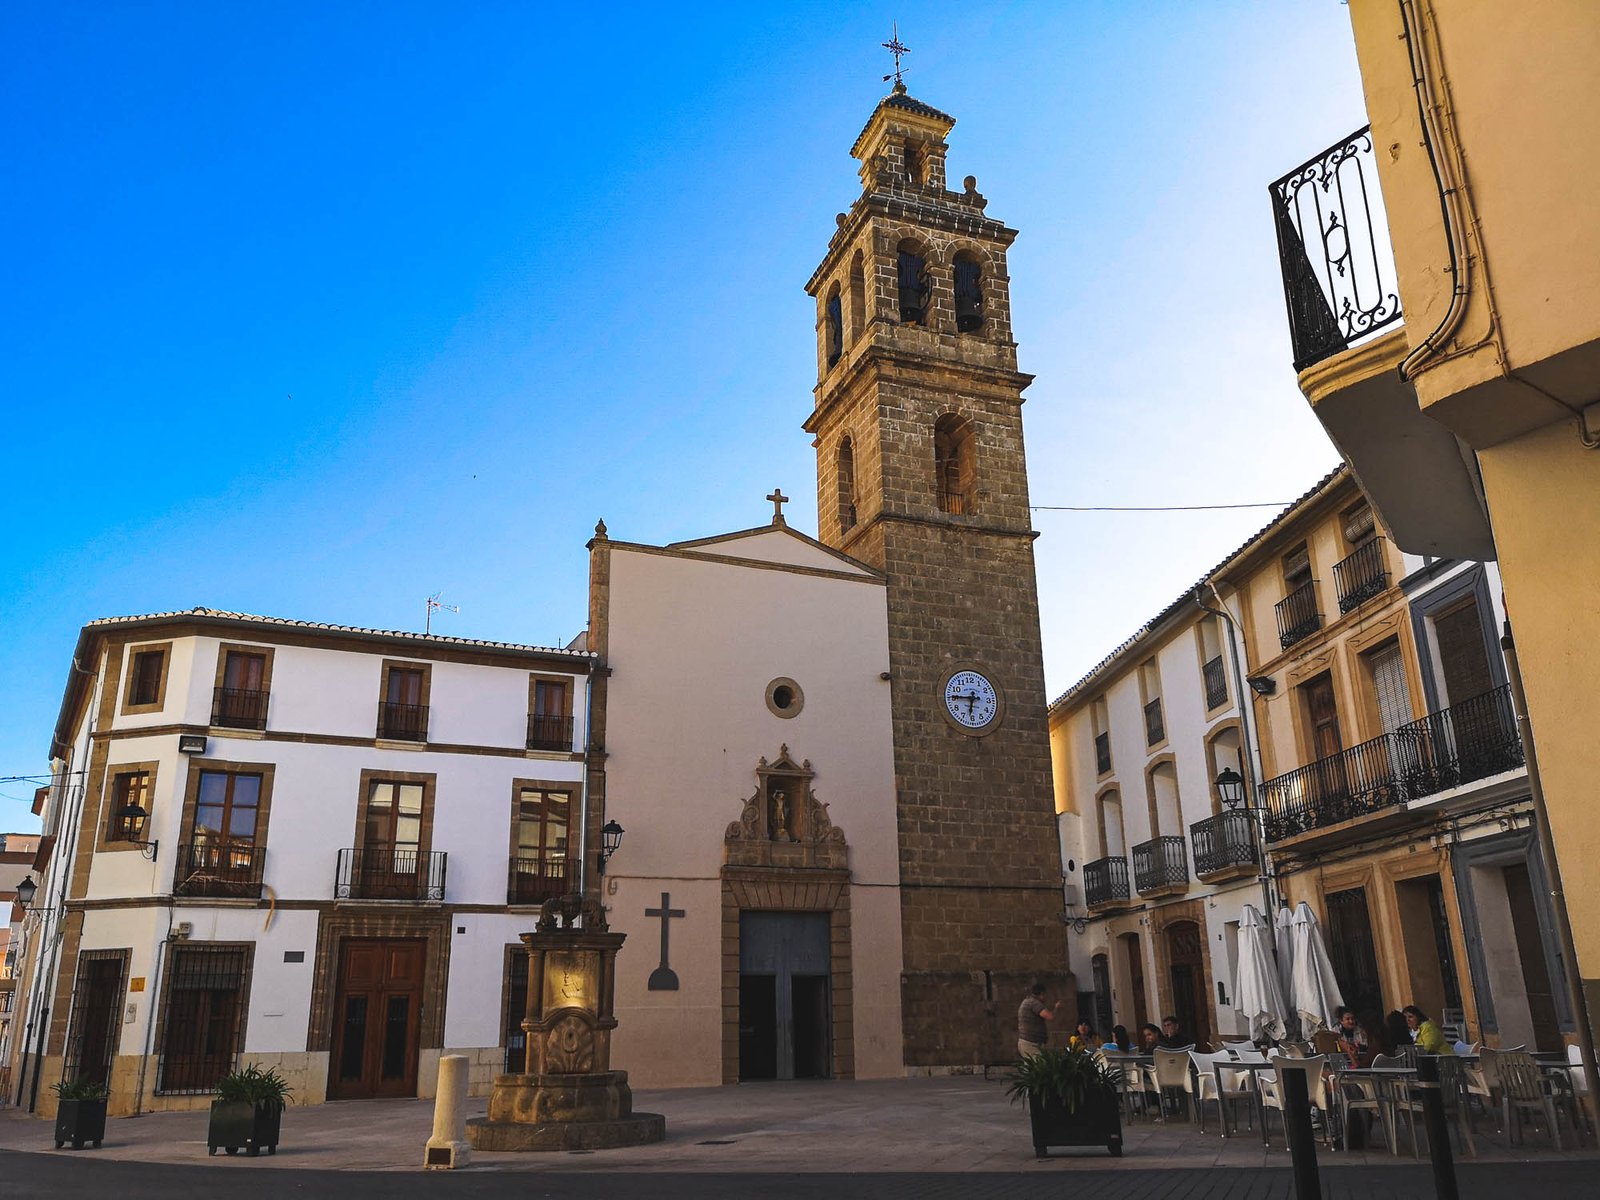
377, 1018
539, 867
392, 862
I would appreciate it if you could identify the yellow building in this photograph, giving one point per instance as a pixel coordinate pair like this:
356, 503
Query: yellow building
1480, 408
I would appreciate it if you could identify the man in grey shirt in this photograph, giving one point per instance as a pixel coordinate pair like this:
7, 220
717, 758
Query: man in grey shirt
1031, 1017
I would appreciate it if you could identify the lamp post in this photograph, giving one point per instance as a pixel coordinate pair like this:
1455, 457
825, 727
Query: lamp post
610, 840
27, 889
133, 816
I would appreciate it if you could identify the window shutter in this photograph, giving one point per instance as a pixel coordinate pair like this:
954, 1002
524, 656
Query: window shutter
1389, 681
1358, 525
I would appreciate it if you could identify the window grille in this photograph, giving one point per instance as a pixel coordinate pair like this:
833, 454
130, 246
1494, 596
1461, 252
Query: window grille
203, 1017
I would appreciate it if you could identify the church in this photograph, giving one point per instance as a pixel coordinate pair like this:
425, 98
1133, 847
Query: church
808, 777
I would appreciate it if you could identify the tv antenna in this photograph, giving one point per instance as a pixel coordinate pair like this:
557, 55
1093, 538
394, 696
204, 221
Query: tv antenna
436, 601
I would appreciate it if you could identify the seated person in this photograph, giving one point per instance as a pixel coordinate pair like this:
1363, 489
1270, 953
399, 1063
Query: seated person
1118, 1042
1429, 1037
1149, 1038
1173, 1037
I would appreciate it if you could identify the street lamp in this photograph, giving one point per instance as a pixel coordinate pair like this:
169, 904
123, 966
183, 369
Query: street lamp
132, 817
610, 839
1230, 786
26, 890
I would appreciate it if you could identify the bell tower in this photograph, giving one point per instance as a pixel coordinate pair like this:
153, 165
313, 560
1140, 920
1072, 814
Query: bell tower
921, 473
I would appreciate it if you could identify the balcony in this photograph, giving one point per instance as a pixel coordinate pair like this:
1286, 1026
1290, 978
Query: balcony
1216, 682
546, 732
1155, 731
1225, 842
535, 880
1105, 881
1102, 752
953, 502
1339, 281
389, 873
223, 870
1448, 749
1360, 576
239, 708
1160, 866
403, 722
1298, 616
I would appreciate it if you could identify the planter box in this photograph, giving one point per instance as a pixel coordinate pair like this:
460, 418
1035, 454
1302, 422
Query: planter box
1097, 1122
238, 1123
80, 1121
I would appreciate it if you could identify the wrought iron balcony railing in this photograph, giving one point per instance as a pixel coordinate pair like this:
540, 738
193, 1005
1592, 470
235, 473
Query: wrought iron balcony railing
389, 873
1155, 730
1216, 683
1360, 576
239, 708
1447, 749
403, 722
1339, 279
1224, 841
1105, 880
212, 868
549, 733
1298, 616
1102, 752
535, 880
1160, 863
953, 502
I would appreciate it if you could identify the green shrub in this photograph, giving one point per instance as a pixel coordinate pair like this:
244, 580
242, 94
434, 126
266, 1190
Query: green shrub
265, 1089
1068, 1075
79, 1089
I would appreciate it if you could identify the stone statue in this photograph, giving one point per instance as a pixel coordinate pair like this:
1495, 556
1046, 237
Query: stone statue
780, 817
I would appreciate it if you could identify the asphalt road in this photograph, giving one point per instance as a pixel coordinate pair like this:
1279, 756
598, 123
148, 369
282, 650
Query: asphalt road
72, 1176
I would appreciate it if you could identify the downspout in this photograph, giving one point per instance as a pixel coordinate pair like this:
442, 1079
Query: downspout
1547, 847
583, 786
150, 1015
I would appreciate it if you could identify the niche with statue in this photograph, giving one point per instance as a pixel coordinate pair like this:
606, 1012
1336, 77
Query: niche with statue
783, 824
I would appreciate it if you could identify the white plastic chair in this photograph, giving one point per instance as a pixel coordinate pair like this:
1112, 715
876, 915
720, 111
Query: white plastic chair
1239, 1049
1170, 1073
1272, 1091
1236, 1086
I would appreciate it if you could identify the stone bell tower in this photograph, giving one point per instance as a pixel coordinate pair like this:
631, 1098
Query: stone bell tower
921, 472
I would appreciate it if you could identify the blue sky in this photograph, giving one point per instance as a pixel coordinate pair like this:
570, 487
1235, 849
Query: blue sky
316, 309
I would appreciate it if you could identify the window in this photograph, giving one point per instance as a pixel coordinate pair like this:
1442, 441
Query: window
1387, 670
403, 712
147, 679
222, 846
858, 297
914, 287
1297, 613
240, 701
549, 714
1155, 729
952, 463
1101, 718
916, 160
227, 806
969, 293
1357, 525
202, 1026
393, 857
1112, 844
129, 790
1166, 810
1463, 667
833, 325
515, 1037
847, 485
539, 862
1211, 665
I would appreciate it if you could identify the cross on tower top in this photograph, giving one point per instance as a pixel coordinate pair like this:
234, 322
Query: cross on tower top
895, 47
778, 501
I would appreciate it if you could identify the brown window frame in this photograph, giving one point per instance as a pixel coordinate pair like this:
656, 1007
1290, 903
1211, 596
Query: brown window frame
113, 835
239, 1022
131, 706
568, 788
191, 798
226, 651
391, 666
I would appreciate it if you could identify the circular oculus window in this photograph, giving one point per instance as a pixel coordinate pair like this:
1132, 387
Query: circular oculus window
784, 697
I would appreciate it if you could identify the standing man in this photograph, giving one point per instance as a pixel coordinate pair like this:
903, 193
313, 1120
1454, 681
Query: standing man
1031, 1017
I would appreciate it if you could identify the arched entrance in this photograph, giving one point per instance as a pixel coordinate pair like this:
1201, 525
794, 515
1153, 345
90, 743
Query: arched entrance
1186, 975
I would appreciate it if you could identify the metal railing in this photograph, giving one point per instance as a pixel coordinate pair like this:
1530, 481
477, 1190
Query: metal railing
389, 873
953, 502
1224, 841
1102, 752
1154, 727
1360, 576
535, 880
220, 869
1298, 616
1446, 749
547, 732
1162, 862
1339, 281
1216, 683
239, 708
1105, 880
403, 722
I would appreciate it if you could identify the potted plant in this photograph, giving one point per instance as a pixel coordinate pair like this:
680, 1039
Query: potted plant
81, 1113
248, 1111
1072, 1100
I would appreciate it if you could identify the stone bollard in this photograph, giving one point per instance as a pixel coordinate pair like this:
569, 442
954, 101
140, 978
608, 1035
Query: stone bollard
448, 1148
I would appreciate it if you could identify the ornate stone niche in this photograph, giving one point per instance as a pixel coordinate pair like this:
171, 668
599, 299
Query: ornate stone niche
783, 824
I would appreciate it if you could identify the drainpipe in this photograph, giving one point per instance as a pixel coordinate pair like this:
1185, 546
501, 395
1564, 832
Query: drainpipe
583, 786
1252, 748
150, 1013
1552, 869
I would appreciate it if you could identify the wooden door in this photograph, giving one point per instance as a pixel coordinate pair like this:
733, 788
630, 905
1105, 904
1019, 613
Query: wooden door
785, 1023
1141, 1014
1186, 970
377, 1018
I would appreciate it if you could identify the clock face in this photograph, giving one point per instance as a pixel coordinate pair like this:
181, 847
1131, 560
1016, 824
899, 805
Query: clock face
971, 700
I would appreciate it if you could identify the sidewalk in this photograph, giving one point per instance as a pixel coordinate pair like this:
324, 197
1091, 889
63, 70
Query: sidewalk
942, 1125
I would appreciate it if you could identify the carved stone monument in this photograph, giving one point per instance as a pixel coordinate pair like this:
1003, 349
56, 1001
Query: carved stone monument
567, 1096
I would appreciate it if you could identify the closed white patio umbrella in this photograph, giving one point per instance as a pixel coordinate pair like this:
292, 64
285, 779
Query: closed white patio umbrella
1257, 998
1313, 990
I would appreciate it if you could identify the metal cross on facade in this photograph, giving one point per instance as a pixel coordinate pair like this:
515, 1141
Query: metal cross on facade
896, 48
778, 501
663, 978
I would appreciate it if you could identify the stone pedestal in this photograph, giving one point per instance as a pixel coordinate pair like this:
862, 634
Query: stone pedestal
567, 1097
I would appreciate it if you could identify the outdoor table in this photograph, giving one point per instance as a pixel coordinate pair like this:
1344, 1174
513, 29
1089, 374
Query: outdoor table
1130, 1063
1255, 1069
1388, 1082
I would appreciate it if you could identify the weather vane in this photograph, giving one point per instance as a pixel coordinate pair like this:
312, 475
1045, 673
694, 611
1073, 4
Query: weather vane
895, 47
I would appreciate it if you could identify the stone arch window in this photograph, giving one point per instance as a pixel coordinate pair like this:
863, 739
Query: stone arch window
969, 292
953, 463
847, 485
858, 297
1224, 751
1112, 842
916, 159
915, 288
1166, 812
833, 325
